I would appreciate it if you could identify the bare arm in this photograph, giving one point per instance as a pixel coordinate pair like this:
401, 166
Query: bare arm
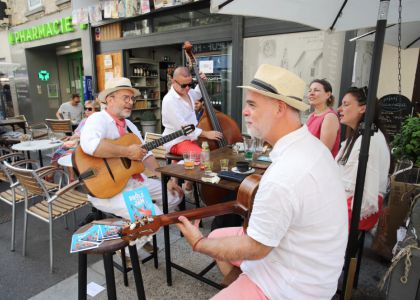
226, 249
58, 115
329, 129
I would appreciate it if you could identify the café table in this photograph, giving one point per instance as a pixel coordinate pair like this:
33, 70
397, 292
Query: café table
195, 175
65, 161
37, 145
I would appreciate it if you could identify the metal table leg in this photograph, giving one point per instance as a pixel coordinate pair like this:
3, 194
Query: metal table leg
165, 180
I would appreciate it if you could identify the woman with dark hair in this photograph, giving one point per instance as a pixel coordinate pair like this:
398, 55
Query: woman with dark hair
323, 122
352, 113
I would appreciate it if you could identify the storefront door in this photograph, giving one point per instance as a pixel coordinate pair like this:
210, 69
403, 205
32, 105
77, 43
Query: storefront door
75, 72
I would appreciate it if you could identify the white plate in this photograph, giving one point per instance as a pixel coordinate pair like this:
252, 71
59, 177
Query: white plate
252, 170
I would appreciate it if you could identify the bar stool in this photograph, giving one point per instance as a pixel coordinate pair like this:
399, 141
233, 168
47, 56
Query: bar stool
107, 249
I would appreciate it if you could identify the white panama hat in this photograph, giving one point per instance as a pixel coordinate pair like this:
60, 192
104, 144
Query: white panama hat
279, 83
115, 84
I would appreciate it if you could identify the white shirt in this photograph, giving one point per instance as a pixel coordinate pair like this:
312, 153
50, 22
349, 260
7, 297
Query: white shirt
177, 113
376, 180
299, 210
69, 111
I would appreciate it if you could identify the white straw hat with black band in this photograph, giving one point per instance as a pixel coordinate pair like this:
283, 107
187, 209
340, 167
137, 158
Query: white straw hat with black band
279, 83
115, 84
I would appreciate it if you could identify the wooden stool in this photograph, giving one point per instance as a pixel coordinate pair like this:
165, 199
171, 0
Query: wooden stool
107, 249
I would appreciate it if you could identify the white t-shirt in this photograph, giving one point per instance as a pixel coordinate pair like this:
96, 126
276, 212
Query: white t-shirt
299, 210
69, 111
177, 113
376, 180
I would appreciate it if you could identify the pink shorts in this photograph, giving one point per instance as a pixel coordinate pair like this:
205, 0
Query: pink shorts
185, 146
243, 287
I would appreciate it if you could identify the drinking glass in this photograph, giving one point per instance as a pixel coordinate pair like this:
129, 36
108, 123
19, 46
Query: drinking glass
189, 159
209, 167
249, 148
224, 164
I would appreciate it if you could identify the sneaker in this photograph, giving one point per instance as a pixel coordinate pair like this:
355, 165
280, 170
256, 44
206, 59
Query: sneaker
148, 247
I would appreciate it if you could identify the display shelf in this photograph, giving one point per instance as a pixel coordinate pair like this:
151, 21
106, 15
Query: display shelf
144, 76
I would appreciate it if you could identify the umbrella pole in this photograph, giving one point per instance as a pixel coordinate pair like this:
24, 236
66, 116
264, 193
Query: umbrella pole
352, 245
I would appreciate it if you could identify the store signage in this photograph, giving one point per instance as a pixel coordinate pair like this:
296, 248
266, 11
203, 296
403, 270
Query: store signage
43, 75
42, 31
394, 109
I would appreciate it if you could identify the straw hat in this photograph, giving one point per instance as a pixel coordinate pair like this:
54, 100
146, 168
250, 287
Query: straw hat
115, 84
279, 83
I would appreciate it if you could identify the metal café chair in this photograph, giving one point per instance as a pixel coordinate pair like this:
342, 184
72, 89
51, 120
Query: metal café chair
53, 206
60, 126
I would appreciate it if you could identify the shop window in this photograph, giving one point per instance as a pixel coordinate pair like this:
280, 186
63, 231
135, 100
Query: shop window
34, 4
172, 22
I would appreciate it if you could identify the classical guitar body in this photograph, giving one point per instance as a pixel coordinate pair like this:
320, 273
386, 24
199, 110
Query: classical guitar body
106, 177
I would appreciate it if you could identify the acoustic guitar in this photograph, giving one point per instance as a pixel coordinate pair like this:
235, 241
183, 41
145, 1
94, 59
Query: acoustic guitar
241, 206
106, 177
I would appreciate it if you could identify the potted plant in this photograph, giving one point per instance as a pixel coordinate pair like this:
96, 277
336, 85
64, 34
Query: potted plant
148, 122
406, 144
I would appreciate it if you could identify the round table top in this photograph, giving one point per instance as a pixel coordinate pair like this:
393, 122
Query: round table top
36, 145
65, 161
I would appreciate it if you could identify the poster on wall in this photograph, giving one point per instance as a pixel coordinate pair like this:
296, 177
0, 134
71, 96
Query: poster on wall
310, 55
52, 90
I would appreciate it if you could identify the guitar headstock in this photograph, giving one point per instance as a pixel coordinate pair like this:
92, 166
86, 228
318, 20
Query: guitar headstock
143, 227
187, 129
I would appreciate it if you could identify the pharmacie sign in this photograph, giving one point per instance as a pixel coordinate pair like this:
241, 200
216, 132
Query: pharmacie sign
41, 31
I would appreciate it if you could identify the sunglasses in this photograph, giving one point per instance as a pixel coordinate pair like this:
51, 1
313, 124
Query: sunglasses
89, 108
183, 86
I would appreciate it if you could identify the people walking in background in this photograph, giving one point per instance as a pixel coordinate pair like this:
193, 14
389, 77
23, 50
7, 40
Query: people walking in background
323, 122
72, 110
351, 113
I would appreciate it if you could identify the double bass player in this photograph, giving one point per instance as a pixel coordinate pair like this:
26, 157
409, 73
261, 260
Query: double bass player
178, 110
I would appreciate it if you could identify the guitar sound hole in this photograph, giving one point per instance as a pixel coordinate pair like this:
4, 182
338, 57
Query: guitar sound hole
126, 162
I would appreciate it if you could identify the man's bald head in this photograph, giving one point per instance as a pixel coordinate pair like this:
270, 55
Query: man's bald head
181, 72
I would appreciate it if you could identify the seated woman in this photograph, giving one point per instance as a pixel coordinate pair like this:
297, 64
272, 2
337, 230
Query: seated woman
351, 113
71, 142
323, 122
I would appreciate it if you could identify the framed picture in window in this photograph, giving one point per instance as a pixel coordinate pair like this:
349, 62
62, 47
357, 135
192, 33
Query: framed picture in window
52, 90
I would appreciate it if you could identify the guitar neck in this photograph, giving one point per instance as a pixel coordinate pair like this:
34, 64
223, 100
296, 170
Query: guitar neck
163, 140
203, 212
193, 214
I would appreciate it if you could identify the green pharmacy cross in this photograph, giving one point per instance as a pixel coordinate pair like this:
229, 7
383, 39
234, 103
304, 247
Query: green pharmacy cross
43, 75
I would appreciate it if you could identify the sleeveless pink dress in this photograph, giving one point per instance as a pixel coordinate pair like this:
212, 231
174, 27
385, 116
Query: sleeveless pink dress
314, 124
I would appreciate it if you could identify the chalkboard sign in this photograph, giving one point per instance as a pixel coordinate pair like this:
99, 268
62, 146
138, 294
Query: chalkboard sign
393, 110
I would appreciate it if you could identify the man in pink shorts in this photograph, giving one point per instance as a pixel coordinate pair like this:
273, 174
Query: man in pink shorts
296, 238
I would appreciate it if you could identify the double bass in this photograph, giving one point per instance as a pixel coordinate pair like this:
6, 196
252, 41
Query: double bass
213, 120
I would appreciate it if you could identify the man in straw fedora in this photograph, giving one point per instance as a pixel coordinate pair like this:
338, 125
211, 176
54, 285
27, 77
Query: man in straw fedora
112, 123
295, 242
